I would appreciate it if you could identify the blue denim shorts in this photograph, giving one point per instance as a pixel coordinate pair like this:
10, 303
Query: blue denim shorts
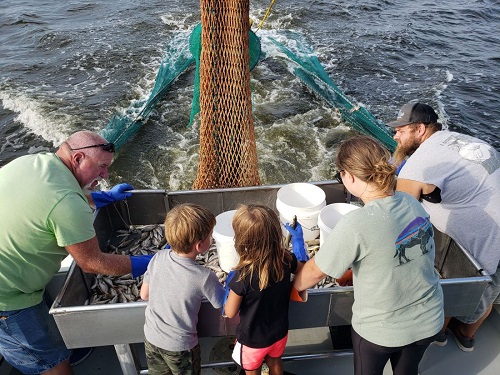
490, 294
30, 340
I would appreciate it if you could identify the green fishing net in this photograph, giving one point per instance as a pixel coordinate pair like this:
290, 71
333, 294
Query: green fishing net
305, 65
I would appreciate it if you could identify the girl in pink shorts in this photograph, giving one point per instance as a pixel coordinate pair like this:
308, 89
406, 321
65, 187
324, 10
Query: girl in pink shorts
260, 289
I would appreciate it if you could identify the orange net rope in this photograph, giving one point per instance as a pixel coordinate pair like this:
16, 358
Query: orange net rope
228, 153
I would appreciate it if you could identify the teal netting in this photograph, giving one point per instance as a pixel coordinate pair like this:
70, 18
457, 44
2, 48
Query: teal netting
121, 128
180, 54
310, 71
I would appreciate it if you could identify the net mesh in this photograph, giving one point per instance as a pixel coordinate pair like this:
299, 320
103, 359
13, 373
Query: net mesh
176, 59
195, 48
228, 152
306, 66
228, 156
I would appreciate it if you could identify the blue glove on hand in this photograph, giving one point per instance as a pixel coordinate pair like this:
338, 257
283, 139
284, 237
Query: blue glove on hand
298, 244
117, 193
401, 166
230, 275
139, 264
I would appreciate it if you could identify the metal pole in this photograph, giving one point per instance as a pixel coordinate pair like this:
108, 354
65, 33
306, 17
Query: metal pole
286, 358
127, 358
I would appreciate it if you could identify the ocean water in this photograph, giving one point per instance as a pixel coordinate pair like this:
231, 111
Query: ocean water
72, 65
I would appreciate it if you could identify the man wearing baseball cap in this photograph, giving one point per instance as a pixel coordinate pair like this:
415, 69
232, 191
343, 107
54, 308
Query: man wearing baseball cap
457, 179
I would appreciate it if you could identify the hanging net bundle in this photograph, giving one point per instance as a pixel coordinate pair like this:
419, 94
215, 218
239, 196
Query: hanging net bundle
228, 152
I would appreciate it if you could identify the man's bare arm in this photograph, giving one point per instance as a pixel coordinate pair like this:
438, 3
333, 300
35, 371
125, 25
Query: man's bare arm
91, 259
411, 187
415, 188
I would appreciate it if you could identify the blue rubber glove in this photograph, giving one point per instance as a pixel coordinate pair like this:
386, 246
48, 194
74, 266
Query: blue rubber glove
117, 193
230, 275
298, 244
401, 166
139, 264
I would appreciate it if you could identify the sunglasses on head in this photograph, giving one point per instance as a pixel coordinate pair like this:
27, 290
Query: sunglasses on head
110, 147
338, 176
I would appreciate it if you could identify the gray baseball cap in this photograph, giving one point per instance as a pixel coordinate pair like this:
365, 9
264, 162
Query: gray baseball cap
414, 113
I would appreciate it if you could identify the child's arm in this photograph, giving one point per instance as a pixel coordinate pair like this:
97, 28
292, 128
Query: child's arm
214, 291
145, 291
299, 267
232, 305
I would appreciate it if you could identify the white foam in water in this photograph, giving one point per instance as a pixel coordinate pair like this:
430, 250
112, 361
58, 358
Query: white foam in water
180, 21
76, 73
32, 116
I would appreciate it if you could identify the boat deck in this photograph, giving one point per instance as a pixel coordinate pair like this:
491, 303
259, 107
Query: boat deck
484, 360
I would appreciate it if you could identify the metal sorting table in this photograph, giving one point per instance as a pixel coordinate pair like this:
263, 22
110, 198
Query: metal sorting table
122, 324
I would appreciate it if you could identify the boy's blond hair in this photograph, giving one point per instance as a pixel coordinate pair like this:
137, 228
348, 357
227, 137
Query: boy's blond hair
187, 224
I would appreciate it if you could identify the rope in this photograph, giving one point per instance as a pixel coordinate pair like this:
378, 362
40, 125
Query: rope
265, 16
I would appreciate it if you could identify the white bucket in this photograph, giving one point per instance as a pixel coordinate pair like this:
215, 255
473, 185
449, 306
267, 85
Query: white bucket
224, 240
305, 201
330, 216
